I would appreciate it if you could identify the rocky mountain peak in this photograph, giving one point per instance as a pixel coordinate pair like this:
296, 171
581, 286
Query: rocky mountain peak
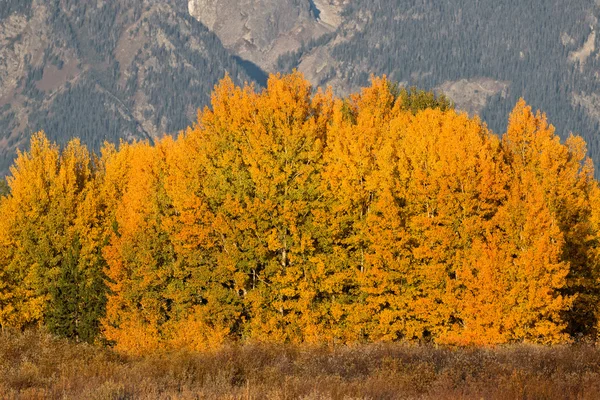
261, 30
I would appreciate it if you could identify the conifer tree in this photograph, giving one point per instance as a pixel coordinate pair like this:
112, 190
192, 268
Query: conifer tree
64, 313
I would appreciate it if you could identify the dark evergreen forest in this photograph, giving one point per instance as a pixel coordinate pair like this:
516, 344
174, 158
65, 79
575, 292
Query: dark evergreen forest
420, 43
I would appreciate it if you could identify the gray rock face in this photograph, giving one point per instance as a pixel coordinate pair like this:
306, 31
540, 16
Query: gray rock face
471, 95
261, 30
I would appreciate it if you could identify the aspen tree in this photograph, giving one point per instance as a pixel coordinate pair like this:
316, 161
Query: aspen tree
139, 255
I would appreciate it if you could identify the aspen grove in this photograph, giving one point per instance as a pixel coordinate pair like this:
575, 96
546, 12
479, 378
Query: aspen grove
289, 215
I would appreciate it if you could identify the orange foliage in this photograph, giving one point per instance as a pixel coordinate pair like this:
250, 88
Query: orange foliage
291, 216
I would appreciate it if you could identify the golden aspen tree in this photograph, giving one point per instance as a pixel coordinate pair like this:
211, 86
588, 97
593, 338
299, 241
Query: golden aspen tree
28, 262
516, 272
443, 184
139, 255
213, 231
387, 257
257, 157
49, 282
511, 276
386, 201
350, 183
562, 178
78, 294
207, 302
92, 235
281, 149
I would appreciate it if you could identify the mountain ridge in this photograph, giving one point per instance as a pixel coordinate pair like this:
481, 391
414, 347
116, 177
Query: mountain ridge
110, 71
139, 69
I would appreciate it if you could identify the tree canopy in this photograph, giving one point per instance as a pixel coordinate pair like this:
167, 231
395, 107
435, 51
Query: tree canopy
290, 215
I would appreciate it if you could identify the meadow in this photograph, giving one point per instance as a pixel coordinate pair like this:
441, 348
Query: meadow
36, 365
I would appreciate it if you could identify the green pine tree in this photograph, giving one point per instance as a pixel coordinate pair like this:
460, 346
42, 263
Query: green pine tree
63, 314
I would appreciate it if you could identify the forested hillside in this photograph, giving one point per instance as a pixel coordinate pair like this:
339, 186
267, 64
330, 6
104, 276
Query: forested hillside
139, 69
292, 216
486, 55
103, 70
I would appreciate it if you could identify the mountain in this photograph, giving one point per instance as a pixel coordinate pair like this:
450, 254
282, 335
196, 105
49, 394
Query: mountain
485, 55
104, 70
262, 30
123, 69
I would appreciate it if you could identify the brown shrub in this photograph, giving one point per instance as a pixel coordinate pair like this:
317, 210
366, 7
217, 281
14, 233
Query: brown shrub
34, 365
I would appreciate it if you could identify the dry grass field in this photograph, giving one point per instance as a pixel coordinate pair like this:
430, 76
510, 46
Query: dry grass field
37, 366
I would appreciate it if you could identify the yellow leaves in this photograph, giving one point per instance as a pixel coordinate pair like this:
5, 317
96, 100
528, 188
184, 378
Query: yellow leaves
134, 337
137, 257
291, 216
195, 334
32, 176
42, 218
545, 171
